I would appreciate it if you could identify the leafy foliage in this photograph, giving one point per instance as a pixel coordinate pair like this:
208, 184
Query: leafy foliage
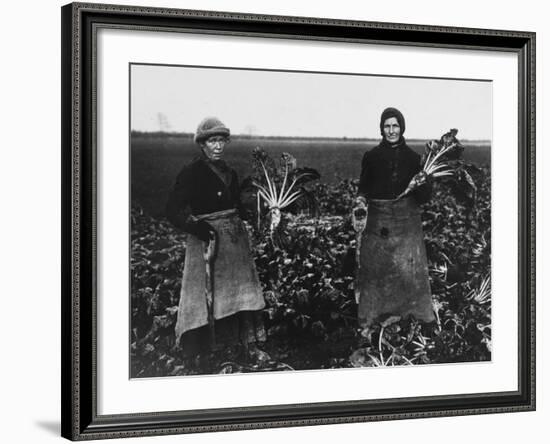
279, 186
311, 312
443, 159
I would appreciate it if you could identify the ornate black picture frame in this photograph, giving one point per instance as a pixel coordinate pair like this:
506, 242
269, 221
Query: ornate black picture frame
80, 419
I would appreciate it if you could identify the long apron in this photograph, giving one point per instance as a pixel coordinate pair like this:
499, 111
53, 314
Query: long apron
392, 277
236, 286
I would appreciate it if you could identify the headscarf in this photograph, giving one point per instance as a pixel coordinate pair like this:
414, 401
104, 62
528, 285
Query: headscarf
389, 113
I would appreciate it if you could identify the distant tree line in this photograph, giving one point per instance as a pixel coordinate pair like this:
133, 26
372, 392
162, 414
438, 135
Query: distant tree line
184, 135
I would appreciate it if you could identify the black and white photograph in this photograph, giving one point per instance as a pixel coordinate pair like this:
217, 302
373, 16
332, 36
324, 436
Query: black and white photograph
294, 220
275, 221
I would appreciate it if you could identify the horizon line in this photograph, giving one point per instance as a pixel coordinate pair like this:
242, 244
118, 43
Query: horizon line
259, 136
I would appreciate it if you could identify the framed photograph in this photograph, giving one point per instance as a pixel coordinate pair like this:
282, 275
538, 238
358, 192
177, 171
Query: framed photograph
274, 221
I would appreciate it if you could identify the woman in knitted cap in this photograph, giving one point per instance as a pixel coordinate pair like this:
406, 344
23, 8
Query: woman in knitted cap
392, 275
221, 296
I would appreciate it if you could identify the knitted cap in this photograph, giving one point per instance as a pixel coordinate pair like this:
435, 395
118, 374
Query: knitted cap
210, 126
389, 113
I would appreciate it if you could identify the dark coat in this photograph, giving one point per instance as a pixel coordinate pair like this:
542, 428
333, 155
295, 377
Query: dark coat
386, 172
199, 189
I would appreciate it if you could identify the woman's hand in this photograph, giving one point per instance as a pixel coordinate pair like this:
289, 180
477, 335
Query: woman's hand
423, 178
359, 214
203, 230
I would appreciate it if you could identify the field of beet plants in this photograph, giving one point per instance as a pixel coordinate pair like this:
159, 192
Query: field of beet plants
310, 316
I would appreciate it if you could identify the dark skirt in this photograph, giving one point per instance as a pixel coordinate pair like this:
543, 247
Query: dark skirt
392, 278
240, 329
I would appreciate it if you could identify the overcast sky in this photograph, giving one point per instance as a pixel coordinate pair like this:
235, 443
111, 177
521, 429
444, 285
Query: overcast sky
272, 103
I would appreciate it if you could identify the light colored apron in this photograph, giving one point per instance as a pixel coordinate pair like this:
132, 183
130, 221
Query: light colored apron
236, 286
392, 279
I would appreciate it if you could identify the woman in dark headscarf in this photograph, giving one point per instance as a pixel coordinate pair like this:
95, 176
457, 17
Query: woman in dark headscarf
392, 277
221, 296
